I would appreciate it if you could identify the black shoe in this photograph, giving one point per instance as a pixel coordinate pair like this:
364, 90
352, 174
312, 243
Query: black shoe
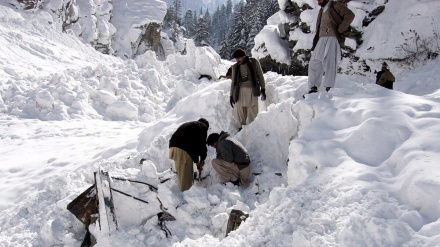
328, 89
312, 90
236, 182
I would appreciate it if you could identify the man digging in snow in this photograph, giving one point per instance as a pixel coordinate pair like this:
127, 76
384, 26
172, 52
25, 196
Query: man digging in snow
187, 144
232, 162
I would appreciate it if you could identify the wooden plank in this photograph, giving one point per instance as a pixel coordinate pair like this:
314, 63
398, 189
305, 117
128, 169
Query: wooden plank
84, 207
235, 219
109, 198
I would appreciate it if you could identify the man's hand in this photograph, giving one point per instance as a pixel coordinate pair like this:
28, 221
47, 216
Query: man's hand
263, 94
231, 101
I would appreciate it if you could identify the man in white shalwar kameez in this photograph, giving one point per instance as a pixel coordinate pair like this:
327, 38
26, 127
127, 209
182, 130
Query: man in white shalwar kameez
333, 20
247, 84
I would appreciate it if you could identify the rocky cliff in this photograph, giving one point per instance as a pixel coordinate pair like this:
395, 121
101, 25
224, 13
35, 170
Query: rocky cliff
295, 28
116, 27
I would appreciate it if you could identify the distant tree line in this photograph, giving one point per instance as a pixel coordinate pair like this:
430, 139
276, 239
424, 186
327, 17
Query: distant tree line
229, 27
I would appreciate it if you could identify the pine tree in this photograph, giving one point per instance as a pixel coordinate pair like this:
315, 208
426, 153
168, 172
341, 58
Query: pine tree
225, 48
228, 8
177, 5
270, 8
224, 22
169, 18
237, 37
196, 18
171, 22
202, 35
229, 27
207, 17
188, 23
254, 19
213, 28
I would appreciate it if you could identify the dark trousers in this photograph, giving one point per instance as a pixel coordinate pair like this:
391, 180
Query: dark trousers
388, 84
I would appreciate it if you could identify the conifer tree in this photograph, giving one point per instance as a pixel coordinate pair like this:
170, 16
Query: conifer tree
177, 5
222, 32
224, 21
237, 37
202, 35
213, 28
225, 48
229, 27
228, 8
169, 17
270, 8
196, 18
254, 9
207, 17
188, 23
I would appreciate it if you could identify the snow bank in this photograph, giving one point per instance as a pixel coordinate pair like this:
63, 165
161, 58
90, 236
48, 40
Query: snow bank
85, 84
274, 45
342, 168
384, 34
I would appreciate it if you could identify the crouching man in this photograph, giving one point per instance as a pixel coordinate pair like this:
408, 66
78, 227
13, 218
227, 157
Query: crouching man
232, 162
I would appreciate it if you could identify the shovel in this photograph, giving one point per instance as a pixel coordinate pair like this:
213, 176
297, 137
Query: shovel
200, 169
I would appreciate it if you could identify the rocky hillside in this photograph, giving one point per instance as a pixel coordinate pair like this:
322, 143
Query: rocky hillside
284, 43
126, 28
122, 28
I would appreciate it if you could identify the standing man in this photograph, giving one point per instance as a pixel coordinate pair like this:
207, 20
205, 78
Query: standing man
247, 84
232, 162
333, 20
385, 78
187, 144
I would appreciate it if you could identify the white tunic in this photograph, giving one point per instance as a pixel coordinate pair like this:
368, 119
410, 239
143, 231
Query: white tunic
324, 60
327, 47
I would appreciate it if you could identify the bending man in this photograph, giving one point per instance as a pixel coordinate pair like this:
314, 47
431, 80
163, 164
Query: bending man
187, 145
232, 162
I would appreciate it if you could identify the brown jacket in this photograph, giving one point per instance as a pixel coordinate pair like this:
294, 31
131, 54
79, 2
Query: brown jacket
341, 16
257, 78
386, 76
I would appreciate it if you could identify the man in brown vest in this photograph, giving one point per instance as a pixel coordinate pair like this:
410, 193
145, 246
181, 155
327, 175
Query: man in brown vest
385, 78
247, 84
333, 20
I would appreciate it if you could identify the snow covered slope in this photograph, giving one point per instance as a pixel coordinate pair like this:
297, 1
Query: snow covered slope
357, 166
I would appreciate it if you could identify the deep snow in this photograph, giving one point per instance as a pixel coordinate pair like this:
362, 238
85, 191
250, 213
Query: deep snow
357, 166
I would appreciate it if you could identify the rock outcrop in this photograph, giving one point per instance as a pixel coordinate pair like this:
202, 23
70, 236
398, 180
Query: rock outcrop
296, 25
113, 27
